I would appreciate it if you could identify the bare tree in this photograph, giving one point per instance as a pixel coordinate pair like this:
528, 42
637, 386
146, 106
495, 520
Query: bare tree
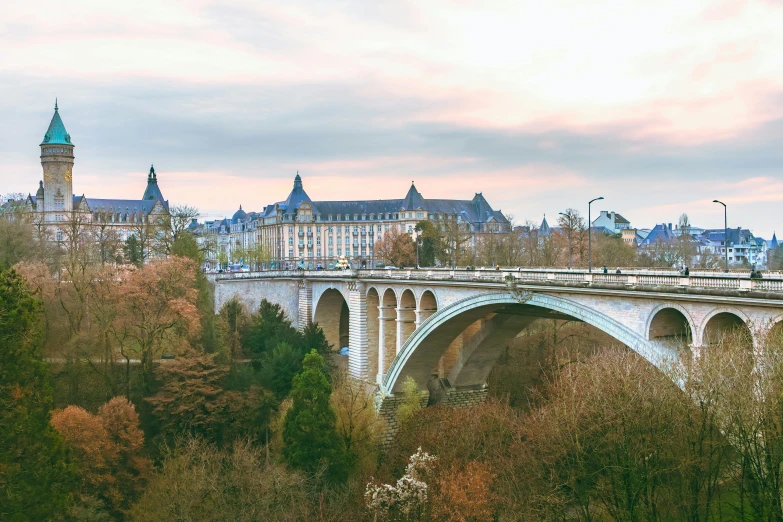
572, 227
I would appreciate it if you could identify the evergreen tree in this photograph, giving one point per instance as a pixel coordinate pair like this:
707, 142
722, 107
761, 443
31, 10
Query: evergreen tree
269, 327
36, 479
310, 433
133, 250
313, 338
279, 366
429, 239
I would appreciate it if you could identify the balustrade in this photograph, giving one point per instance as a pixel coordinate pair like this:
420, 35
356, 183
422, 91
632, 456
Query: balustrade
772, 282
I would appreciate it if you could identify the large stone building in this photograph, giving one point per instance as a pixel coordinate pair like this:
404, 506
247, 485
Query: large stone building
299, 231
55, 204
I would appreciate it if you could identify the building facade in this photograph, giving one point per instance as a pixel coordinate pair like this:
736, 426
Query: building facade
612, 221
298, 231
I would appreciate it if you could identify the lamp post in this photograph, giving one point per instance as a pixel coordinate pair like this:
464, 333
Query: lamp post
589, 235
453, 240
725, 236
570, 231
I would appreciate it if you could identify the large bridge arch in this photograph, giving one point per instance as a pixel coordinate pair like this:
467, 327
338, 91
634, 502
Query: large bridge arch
422, 350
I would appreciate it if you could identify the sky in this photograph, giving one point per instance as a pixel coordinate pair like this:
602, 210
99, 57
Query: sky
658, 106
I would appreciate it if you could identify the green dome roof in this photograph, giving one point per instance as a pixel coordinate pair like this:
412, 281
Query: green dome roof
56, 134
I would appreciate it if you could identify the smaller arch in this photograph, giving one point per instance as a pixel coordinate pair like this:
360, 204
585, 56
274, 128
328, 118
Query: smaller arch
389, 298
406, 317
722, 321
332, 315
773, 335
428, 300
670, 323
407, 299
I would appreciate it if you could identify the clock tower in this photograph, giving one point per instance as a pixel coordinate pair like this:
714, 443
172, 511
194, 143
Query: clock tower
57, 163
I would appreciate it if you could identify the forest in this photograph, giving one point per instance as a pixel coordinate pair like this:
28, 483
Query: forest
125, 397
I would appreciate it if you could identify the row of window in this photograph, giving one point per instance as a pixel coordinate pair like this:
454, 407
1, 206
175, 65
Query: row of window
365, 217
331, 253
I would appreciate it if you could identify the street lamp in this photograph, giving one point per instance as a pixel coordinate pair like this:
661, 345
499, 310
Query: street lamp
725, 235
589, 235
453, 240
570, 231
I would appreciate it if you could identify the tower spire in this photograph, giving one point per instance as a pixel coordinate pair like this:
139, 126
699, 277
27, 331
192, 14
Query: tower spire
55, 104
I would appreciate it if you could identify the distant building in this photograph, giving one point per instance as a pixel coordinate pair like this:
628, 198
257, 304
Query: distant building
611, 221
300, 230
54, 203
742, 245
659, 233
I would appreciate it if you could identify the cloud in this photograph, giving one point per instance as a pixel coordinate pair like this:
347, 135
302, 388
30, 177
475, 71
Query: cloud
659, 107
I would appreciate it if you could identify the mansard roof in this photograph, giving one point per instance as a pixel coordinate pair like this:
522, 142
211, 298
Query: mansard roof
476, 210
378, 206
659, 232
56, 133
120, 205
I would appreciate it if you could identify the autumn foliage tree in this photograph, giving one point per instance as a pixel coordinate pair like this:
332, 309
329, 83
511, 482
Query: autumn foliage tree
396, 248
158, 311
464, 493
194, 401
200, 481
108, 449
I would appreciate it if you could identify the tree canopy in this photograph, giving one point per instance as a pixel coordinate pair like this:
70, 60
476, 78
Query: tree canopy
36, 479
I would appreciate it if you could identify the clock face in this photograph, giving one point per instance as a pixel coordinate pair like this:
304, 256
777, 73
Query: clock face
68, 176
48, 178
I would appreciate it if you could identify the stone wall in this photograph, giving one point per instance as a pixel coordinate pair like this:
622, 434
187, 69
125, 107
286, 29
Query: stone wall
284, 292
387, 413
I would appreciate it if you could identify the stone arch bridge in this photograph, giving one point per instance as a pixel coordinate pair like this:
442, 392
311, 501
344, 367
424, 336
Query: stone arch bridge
454, 324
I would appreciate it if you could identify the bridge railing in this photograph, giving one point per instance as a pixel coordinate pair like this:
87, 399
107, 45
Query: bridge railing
771, 282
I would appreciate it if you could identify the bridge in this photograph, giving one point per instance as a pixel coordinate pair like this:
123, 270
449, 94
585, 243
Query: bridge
454, 324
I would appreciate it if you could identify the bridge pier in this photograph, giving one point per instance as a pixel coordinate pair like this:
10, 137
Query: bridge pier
358, 363
387, 407
440, 392
305, 304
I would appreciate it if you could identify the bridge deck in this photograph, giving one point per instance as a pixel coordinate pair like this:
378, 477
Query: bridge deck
770, 285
